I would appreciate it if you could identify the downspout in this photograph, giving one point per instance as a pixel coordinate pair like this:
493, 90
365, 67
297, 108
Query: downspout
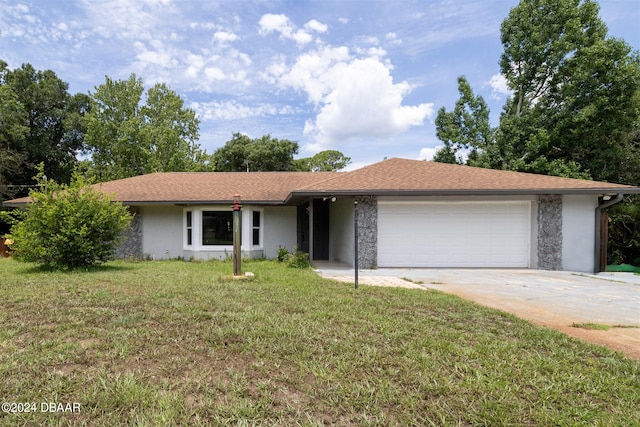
599, 209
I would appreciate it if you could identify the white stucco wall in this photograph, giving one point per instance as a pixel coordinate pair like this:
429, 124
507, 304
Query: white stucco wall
578, 233
341, 238
279, 229
162, 231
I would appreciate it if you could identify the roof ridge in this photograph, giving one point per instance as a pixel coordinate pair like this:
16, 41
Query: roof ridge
340, 175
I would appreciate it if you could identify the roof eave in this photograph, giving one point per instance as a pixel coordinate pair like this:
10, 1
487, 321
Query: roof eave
197, 202
466, 192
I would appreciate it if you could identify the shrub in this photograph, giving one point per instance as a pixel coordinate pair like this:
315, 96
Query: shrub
68, 226
298, 260
283, 254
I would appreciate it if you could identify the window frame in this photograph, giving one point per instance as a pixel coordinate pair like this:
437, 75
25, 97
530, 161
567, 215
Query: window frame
188, 228
257, 228
247, 230
229, 225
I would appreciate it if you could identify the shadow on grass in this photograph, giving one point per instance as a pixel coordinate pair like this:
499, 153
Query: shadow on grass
98, 268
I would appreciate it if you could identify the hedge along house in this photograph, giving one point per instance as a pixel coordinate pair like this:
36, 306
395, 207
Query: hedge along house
410, 214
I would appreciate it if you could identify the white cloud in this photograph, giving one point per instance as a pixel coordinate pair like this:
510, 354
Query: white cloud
343, 20
376, 52
393, 39
427, 153
282, 24
278, 23
356, 97
126, 19
370, 40
214, 73
311, 71
316, 26
224, 36
499, 86
222, 69
194, 64
232, 110
302, 37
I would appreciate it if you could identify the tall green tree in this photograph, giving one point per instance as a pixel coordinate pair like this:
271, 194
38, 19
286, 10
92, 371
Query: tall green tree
40, 123
467, 127
573, 88
12, 130
127, 138
575, 109
242, 153
324, 161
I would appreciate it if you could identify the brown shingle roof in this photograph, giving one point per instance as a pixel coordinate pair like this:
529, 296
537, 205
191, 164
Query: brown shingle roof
390, 177
413, 176
210, 187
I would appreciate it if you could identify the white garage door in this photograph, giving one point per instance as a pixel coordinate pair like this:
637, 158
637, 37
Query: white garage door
487, 234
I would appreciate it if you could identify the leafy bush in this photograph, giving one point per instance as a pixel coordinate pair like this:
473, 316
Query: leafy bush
283, 254
68, 226
624, 232
298, 260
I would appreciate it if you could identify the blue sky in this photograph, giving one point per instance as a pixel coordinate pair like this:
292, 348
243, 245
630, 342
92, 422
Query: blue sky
362, 77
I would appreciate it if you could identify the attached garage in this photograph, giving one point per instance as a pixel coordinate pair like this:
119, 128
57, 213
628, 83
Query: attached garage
454, 234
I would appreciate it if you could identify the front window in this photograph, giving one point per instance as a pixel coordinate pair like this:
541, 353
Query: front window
217, 228
256, 228
189, 228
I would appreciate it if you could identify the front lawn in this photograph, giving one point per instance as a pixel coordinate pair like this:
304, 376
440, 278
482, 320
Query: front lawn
176, 343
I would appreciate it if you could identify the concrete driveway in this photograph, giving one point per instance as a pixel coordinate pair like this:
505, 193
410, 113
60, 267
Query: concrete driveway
556, 299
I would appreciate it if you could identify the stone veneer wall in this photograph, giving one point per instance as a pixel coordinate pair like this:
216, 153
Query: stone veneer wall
550, 232
132, 246
367, 231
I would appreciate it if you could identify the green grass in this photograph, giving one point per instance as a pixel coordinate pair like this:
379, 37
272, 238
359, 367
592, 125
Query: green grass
592, 326
601, 327
170, 343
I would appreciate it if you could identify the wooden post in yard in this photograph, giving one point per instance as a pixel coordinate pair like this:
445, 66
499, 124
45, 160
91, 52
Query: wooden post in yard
237, 236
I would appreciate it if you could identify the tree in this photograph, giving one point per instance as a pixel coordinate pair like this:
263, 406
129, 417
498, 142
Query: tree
12, 130
573, 87
242, 153
126, 138
68, 226
575, 109
324, 161
467, 127
39, 124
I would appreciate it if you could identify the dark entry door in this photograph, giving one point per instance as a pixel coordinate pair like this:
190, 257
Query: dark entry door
321, 229
303, 227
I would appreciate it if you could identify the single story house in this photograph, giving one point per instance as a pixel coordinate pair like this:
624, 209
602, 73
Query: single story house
410, 214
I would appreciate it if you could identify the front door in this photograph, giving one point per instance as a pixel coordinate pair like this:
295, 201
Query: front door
321, 229
319, 239
303, 227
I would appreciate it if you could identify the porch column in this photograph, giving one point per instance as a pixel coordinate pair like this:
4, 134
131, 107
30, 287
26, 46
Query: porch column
550, 232
367, 231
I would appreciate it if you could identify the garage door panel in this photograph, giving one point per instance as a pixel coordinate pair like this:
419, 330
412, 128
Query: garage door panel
494, 234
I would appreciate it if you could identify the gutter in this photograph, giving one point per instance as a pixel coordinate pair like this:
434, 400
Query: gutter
599, 209
462, 192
